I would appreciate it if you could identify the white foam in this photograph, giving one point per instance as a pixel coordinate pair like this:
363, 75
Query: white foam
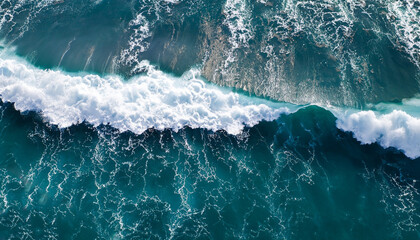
137, 43
173, 1
396, 129
155, 100
404, 16
238, 20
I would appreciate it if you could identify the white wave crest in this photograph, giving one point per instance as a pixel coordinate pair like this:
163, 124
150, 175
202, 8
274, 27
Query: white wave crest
155, 100
158, 100
396, 129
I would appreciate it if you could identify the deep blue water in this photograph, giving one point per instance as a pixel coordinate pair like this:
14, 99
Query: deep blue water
226, 119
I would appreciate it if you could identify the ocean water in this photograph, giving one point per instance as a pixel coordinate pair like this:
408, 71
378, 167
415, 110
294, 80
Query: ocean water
225, 119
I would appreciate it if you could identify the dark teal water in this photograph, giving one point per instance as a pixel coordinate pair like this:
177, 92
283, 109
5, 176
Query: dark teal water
81, 80
294, 178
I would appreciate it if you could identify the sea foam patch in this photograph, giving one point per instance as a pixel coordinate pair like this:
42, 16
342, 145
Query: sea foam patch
396, 129
155, 100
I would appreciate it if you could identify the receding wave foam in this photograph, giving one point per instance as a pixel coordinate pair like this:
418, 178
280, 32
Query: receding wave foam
405, 17
238, 20
137, 43
155, 100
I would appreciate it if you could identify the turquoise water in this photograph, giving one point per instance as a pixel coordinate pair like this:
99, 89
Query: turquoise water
228, 119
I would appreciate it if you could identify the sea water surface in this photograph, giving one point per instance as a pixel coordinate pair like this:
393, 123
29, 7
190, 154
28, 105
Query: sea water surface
209, 119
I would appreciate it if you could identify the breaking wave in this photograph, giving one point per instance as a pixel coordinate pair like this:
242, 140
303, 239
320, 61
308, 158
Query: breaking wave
155, 100
162, 101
